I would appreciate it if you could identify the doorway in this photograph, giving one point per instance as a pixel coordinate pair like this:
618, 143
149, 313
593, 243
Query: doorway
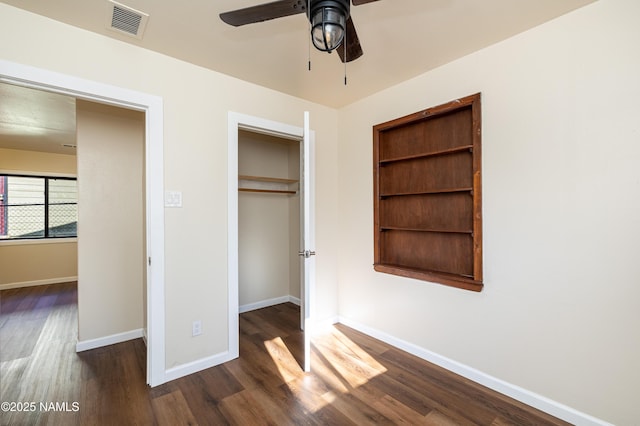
269, 232
292, 139
46, 245
21, 75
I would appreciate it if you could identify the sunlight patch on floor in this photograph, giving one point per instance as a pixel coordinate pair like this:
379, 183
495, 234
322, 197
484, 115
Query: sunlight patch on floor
337, 361
349, 360
287, 365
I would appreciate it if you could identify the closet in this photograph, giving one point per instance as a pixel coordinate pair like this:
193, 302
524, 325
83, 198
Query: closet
268, 220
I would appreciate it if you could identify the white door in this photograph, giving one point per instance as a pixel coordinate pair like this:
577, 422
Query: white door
307, 249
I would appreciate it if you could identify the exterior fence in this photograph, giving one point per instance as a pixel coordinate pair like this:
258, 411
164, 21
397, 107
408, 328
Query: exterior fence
35, 221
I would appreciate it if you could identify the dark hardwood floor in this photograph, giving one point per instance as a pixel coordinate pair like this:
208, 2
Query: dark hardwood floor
355, 380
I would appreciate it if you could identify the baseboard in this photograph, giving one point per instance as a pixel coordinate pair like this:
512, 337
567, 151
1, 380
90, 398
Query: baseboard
268, 302
294, 300
86, 345
196, 366
323, 324
532, 399
37, 282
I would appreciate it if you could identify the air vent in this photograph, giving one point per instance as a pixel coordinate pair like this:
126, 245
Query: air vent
126, 20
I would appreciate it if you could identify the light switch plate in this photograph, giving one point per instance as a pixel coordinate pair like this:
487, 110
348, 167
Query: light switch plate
173, 199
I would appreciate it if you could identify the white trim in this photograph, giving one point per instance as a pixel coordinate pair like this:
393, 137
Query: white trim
86, 345
152, 105
198, 365
327, 323
48, 281
36, 174
30, 241
268, 302
294, 300
525, 396
233, 124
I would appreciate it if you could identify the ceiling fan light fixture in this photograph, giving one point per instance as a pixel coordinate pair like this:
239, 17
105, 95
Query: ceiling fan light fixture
328, 23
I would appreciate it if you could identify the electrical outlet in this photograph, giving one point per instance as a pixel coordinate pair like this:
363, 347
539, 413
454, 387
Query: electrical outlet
196, 328
173, 199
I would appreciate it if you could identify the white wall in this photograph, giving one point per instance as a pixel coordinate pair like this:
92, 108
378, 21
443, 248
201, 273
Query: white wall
44, 163
30, 263
560, 311
111, 250
196, 104
24, 263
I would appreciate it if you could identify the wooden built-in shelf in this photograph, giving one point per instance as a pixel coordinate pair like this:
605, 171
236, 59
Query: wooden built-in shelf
436, 271
440, 231
271, 185
427, 195
433, 192
428, 154
464, 281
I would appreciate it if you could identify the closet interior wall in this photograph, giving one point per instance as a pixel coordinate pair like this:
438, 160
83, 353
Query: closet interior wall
268, 220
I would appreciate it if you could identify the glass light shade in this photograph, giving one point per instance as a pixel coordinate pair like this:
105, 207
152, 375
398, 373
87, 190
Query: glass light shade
327, 28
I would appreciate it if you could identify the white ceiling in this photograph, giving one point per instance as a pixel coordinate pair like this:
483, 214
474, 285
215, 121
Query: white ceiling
34, 120
400, 38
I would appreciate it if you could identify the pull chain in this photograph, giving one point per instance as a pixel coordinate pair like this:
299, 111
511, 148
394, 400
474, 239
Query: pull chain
345, 58
309, 47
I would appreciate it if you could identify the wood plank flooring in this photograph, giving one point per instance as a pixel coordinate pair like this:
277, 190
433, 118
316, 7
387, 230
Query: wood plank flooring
355, 380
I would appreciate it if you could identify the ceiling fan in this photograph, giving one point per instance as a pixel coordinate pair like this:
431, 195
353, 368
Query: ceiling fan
331, 22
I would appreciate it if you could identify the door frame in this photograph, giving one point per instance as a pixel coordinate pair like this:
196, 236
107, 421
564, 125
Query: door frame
42, 79
236, 122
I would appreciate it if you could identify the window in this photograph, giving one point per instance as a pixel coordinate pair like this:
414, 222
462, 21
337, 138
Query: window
38, 207
427, 195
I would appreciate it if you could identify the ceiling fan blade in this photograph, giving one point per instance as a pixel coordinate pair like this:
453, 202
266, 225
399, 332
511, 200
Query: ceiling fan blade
354, 50
359, 2
264, 12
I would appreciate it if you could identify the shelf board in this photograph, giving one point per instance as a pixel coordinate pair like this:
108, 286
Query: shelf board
439, 191
428, 154
271, 191
269, 185
450, 274
465, 281
440, 231
266, 179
